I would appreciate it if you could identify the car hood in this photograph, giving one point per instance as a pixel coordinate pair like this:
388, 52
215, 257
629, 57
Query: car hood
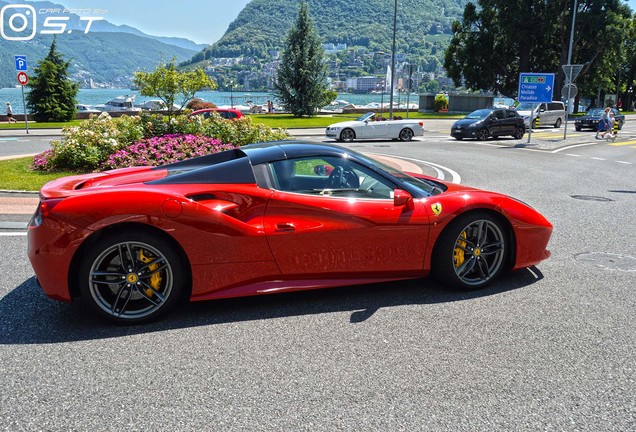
466, 122
350, 123
588, 117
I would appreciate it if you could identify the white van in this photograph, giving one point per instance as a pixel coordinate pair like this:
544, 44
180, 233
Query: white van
545, 114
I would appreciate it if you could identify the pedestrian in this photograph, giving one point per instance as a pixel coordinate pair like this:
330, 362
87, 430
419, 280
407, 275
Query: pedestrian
603, 124
609, 133
10, 118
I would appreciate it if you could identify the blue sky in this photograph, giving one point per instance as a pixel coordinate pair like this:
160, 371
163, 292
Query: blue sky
202, 21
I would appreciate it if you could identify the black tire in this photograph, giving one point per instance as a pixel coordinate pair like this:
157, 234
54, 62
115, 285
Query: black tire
118, 280
557, 124
458, 138
406, 134
482, 135
471, 251
518, 133
578, 128
347, 135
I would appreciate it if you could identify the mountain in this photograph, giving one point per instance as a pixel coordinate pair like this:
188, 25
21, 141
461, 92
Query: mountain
423, 27
108, 54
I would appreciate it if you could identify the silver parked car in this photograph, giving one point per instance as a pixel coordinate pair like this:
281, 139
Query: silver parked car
545, 114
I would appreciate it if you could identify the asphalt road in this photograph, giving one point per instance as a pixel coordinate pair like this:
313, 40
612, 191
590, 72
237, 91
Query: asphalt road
549, 348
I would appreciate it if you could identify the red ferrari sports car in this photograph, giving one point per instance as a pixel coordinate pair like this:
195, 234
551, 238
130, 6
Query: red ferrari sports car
267, 218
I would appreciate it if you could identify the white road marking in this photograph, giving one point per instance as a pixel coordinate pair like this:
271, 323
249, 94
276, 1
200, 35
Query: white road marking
598, 158
13, 234
572, 154
456, 178
623, 162
575, 146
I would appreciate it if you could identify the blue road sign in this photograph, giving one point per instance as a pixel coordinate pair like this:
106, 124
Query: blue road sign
20, 63
535, 87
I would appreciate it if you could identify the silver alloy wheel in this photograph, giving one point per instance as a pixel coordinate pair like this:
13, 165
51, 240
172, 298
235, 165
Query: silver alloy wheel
130, 280
479, 252
406, 134
347, 135
518, 133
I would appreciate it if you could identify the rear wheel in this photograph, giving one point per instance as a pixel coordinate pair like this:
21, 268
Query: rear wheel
558, 123
518, 133
131, 277
471, 252
406, 134
347, 135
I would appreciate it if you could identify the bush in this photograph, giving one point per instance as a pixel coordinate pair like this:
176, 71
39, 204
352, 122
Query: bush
440, 102
163, 150
197, 104
87, 147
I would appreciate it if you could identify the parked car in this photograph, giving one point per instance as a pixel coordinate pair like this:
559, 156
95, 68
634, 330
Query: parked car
267, 218
485, 123
591, 119
367, 127
226, 113
544, 114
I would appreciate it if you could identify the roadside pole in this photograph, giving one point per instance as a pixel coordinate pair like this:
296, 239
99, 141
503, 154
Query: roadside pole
26, 118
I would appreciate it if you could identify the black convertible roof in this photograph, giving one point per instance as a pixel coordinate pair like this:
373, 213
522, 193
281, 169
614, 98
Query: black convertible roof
235, 166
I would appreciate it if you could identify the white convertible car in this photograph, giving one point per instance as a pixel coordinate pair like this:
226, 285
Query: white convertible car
365, 127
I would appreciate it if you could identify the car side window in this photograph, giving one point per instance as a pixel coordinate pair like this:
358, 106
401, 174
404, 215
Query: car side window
330, 177
499, 114
512, 114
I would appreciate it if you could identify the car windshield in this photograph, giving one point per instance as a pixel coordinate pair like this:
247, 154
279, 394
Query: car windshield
595, 112
365, 117
479, 114
426, 187
526, 106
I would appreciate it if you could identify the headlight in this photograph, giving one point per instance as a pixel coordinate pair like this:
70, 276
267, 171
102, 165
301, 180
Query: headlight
474, 125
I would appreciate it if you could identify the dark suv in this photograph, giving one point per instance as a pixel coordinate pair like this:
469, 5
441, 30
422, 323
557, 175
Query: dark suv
485, 123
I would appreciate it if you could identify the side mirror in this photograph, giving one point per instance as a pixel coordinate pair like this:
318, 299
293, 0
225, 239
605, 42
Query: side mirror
402, 198
320, 170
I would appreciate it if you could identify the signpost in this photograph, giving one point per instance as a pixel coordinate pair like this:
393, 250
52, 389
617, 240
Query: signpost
535, 88
23, 79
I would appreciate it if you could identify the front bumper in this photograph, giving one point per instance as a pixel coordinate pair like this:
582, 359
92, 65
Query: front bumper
464, 132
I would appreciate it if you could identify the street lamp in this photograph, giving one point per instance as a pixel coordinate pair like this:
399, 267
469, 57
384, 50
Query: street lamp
393, 61
232, 94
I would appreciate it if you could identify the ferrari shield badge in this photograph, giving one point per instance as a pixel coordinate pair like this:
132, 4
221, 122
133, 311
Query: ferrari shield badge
437, 208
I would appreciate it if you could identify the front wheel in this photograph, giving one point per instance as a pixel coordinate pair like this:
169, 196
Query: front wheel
471, 252
482, 135
406, 135
347, 135
131, 277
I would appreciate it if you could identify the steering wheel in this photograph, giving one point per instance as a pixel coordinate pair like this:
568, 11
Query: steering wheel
337, 179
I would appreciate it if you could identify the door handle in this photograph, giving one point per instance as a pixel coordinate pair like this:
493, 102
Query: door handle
285, 227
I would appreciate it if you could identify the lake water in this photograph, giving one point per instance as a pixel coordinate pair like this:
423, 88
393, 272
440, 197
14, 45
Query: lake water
100, 96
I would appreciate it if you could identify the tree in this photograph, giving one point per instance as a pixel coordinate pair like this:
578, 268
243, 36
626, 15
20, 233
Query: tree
498, 39
167, 83
52, 94
301, 81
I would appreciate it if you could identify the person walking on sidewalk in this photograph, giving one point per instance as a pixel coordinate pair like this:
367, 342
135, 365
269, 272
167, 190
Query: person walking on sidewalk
10, 113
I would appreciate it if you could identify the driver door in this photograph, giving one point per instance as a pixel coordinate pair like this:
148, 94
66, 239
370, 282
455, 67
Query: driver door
351, 228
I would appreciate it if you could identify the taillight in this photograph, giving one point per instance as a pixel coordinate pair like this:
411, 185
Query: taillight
421, 124
43, 211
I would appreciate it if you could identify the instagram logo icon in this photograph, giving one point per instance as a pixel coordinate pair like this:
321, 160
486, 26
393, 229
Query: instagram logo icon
17, 22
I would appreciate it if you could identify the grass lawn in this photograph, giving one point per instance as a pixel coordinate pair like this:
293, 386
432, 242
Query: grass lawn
16, 174
35, 125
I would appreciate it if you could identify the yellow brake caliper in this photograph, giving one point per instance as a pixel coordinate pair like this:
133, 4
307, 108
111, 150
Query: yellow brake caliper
155, 279
458, 252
